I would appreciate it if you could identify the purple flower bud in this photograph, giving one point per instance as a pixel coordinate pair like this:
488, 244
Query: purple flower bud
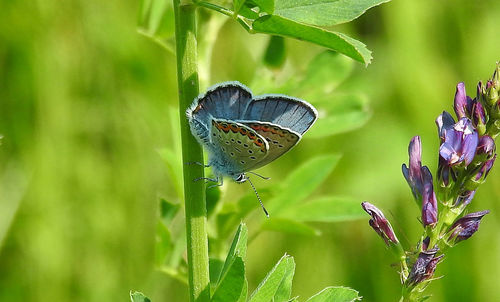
465, 227
464, 199
484, 169
380, 224
429, 201
479, 118
413, 174
460, 142
462, 102
486, 145
424, 267
444, 172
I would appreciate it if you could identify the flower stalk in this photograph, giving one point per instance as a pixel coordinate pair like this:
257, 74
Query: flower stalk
194, 192
466, 156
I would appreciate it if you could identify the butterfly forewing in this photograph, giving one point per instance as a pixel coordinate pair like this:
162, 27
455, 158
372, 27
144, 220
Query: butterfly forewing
284, 111
241, 146
280, 140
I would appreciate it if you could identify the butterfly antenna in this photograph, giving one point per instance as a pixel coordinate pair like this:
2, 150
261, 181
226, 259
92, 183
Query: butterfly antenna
263, 177
258, 197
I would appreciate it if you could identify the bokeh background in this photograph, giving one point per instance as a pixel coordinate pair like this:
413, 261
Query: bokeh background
86, 103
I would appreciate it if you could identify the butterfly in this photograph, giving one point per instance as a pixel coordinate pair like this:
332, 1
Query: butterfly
242, 132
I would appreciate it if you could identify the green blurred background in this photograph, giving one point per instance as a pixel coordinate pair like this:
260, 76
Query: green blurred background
85, 104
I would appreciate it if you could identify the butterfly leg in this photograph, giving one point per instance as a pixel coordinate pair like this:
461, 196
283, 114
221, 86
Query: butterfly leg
197, 163
218, 184
207, 179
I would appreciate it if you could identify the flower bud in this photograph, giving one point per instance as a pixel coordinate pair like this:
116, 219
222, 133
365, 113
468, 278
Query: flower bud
424, 267
462, 102
479, 118
429, 201
485, 149
464, 199
413, 174
465, 227
380, 224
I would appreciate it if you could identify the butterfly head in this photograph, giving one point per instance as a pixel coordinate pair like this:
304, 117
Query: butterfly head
240, 178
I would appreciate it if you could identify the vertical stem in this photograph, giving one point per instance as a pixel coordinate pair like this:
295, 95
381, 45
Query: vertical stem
194, 192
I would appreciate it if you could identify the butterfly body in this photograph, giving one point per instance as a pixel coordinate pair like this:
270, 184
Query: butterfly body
242, 133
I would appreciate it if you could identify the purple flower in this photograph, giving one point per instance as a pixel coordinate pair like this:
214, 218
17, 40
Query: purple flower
464, 199
462, 102
485, 148
479, 116
465, 227
413, 174
424, 267
420, 180
484, 169
429, 201
380, 224
458, 142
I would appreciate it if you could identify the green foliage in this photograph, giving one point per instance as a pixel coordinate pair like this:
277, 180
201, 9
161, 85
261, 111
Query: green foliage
323, 12
276, 25
138, 297
337, 294
156, 21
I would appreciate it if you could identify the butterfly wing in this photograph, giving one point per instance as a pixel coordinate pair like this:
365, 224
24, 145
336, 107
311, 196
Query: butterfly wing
281, 110
280, 140
238, 147
228, 100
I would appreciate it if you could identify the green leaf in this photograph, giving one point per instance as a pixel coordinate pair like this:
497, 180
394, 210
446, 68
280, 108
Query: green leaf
232, 284
237, 5
323, 12
156, 21
326, 71
285, 288
215, 268
265, 5
174, 166
268, 288
327, 209
238, 248
168, 210
163, 244
289, 226
337, 294
303, 181
244, 292
275, 53
138, 297
345, 113
213, 197
342, 43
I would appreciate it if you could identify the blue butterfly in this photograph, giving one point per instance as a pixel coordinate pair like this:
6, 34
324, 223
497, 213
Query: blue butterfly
242, 132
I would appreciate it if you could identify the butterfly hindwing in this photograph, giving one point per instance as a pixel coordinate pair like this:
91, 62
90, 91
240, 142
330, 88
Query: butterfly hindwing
280, 140
284, 111
242, 147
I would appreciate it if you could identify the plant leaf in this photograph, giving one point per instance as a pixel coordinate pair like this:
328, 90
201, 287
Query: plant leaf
303, 181
163, 243
327, 209
345, 113
337, 294
342, 43
289, 226
265, 5
138, 297
323, 12
168, 210
285, 288
269, 286
156, 21
230, 287
238, 248
325, 72
275, 55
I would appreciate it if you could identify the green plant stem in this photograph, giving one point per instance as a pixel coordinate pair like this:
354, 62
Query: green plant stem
194, 192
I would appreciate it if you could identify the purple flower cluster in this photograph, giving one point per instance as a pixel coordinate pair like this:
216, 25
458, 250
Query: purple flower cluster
466, 156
